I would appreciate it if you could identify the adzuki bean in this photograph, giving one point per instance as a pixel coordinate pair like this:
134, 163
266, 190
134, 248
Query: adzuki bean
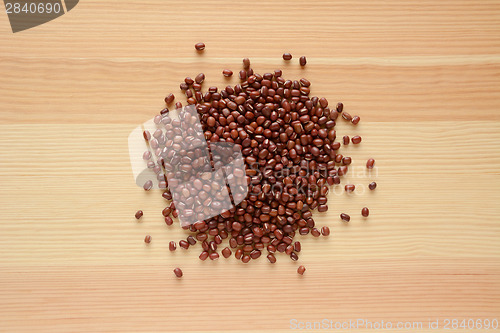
287, 139
178, 272
365, 211
356, 139
345, 217
199, 46
370, 163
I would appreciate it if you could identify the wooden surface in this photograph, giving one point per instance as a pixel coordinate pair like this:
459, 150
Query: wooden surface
423, 75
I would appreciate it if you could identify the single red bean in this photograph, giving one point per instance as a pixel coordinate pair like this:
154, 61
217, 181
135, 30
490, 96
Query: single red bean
372, 186
199, 78
172, 246
255, 254
139, 214
346, 160
345, 217
246, 63
199, 46
365, 211
169, 99
350, 188
148, 185
147, 239
243, 75
287, 56
356, 139
226, 252
301, 270
178, 272
322, 208
339, 107
355, 120
203, 255
302, 61
345, 140
191, 240
271, 258
325, 231
346, 116
370, 163
227, 72
214, 256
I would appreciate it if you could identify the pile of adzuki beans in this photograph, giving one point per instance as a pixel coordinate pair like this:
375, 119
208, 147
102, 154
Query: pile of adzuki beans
287, 139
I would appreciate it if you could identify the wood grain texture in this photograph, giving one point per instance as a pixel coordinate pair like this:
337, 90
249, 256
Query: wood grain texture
425, 79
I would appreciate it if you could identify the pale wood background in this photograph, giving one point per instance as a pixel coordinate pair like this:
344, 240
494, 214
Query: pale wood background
423, 75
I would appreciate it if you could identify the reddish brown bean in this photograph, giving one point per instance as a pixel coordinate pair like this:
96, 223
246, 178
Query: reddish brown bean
345, 217
148, 185
356, 139
372, 186
325, 231
339, 107
199, 78
350, 188
147, 239
139, 214
271, 258
199, 46
191, 240
169, 99
365, 211
178, 272
302, 61
355, 120
243, 75
172, 246
184, 244
301, 270
370, 163
226, 252
287, 56
227, 72
246, 63
315, 232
